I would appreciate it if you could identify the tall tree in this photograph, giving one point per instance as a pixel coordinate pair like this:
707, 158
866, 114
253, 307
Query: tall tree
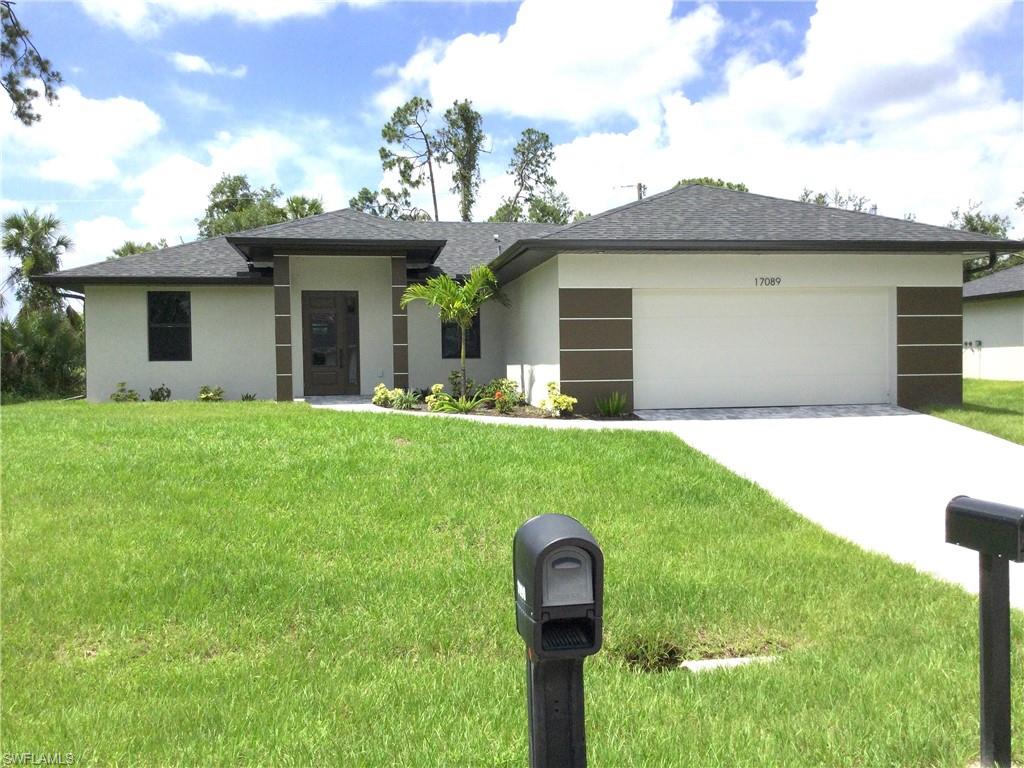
973, 219
36, 243
235, 206
836, 199
530, 169
459, 144
388, 204
708, 181
20, 61
416, 147
130, 248
551, 208
457, 302
300, 206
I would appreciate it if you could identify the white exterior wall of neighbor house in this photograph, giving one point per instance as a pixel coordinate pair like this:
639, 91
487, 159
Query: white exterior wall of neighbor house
232, 342
999, 325
370, 277
531, 337
427, 367
733, 277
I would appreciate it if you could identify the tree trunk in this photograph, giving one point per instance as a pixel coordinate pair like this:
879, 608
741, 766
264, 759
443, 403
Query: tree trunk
430, 169
463, 356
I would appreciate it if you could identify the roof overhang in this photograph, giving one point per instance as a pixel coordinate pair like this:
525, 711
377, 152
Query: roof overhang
524, 255
262, 248
990, 296
78, 282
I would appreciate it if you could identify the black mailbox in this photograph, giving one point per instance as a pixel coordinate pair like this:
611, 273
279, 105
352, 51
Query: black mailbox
986, 527
559, 581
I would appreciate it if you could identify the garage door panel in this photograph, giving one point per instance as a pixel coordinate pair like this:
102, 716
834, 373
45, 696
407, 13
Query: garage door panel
721, 348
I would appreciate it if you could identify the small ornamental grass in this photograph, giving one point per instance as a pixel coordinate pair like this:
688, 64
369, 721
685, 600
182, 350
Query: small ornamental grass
209, 394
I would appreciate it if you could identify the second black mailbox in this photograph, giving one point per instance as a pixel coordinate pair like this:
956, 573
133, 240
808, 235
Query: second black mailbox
559, 581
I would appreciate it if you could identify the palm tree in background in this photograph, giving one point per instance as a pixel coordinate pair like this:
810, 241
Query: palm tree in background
36, 243
457, 302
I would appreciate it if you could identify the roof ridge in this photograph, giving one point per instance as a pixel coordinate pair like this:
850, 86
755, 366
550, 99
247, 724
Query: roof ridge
631, 204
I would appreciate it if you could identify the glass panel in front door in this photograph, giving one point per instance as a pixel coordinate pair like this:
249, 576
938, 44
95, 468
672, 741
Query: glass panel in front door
323, 331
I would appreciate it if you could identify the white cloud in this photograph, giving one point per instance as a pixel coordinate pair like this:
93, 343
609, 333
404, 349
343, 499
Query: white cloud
149, 17
79, 141
193, 63
575, 60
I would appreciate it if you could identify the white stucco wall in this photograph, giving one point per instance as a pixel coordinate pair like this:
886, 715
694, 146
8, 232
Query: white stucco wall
427, 367
232, 342
370, 277
531, 340
999, 325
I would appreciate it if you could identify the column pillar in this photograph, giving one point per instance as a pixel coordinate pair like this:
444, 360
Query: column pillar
283, 328
399, 324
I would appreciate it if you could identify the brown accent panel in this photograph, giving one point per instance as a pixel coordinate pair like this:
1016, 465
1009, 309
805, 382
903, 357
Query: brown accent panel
595, 302
597, 364
917, 391
398, 272
928, 301
400, 330
283, 329
281, 271
284, 388
929, 359
282, 301
284, 359
402, 381
396, 299
401, 359
586, 392
929, 330
595, 334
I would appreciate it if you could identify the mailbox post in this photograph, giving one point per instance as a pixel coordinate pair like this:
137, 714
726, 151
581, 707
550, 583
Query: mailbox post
558, 570
996, 532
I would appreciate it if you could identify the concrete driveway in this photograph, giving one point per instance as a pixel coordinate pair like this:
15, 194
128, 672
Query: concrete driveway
879, 476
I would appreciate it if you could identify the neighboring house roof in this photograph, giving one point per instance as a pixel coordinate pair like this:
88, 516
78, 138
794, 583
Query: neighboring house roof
687, 217
1001, 284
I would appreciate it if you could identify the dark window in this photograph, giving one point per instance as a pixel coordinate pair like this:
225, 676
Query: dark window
451, 340
170, 325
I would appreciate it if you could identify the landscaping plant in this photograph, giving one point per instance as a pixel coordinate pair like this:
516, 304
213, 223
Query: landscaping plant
124, 395
611, 406
211, 394
445, 403
402, 400
457, 303
556, 403
160, 395
455, 382
435, 392
504, 393
248, 397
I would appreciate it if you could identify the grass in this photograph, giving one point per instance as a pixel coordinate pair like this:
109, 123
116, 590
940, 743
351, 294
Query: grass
257, 583
996, 407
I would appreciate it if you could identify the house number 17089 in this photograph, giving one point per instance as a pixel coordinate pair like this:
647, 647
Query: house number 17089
767, 282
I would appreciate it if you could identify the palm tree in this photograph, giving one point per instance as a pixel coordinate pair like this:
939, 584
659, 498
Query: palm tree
457, 302
37, 243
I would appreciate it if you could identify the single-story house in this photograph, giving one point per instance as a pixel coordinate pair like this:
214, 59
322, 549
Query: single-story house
994, 326
694, 297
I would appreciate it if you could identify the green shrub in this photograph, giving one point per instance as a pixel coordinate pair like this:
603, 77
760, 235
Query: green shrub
248, 397
504, 393
124, 395
403, 401
211, 394
455, 382
613, 405
445, 403
381, 396
556, 403
436, 391
160, 395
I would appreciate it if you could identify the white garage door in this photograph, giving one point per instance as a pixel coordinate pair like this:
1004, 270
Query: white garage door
704, 349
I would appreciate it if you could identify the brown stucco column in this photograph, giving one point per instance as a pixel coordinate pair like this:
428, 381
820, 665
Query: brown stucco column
283, 328
929, 346
595, 336
399, 324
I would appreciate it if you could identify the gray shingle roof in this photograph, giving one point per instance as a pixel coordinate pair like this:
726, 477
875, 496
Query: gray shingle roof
1003, 282
699, 213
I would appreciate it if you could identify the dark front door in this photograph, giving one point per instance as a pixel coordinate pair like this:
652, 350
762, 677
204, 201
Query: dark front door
330, 342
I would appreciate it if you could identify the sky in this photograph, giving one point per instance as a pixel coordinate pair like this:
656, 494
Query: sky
917, 105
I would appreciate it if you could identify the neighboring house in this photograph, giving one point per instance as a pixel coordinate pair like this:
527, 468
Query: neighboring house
695, 297
994, 326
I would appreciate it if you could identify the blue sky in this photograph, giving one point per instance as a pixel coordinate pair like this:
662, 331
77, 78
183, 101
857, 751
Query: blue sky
917, 105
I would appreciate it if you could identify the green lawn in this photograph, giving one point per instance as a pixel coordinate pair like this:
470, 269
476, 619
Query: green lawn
996, 407
255, 583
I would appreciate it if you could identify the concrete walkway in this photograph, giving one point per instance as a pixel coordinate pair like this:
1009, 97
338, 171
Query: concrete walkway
879, 476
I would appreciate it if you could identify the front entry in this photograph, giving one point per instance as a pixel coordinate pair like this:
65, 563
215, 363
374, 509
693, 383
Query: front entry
330, 342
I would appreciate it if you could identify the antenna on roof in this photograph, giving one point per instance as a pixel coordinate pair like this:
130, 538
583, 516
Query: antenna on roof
497, 242
641, 189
